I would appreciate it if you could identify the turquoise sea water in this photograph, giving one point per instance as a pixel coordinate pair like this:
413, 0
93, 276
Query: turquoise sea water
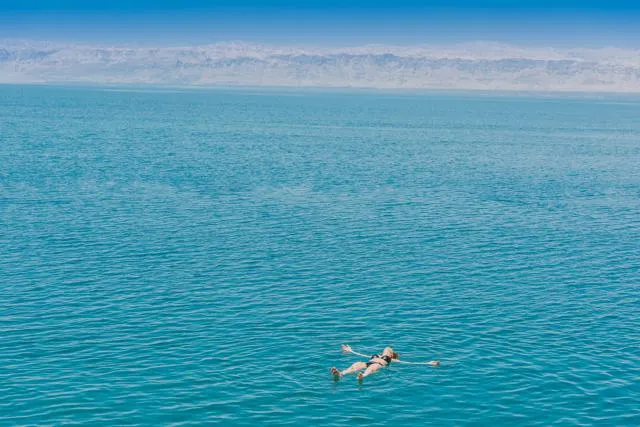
183, 257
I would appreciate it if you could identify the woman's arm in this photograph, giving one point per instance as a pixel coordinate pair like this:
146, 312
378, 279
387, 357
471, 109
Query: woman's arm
432, 363
346, 348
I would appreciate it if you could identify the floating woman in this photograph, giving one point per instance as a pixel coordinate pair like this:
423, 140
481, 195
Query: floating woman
374, 364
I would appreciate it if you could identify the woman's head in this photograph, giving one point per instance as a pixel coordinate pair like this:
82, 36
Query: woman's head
389, 352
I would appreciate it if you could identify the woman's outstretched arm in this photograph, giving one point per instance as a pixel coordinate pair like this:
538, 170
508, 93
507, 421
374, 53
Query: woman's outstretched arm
346, 348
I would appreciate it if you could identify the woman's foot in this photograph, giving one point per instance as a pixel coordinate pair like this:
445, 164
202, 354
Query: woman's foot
335, 372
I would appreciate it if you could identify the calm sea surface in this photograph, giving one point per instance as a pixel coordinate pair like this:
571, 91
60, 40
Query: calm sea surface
183, 257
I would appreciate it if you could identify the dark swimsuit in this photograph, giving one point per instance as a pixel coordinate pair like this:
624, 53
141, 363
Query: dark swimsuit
377, 356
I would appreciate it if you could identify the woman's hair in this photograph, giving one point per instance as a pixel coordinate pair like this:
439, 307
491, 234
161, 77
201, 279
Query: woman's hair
395, 355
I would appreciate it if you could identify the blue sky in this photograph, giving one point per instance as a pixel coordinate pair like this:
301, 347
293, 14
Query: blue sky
330, 22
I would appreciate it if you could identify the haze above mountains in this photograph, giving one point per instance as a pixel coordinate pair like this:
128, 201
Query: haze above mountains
478, 65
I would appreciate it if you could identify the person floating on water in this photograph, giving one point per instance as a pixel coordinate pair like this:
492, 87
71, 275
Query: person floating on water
374, 364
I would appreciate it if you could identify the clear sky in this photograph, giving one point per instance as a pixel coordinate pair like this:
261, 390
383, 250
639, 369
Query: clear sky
331, 22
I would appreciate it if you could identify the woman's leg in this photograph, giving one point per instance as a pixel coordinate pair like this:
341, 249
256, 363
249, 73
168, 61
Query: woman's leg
370, 370
358, 366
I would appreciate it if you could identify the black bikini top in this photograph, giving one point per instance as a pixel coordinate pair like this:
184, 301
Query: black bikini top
385, 358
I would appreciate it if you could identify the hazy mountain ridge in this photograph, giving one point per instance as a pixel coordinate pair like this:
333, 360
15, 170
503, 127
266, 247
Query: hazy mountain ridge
464, 66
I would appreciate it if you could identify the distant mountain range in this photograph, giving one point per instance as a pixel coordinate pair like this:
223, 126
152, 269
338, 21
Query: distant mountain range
464, 66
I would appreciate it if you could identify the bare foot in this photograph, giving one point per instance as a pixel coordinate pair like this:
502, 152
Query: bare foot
335, 372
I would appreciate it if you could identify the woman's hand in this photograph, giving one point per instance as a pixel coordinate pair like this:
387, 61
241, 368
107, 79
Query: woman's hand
346, 348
